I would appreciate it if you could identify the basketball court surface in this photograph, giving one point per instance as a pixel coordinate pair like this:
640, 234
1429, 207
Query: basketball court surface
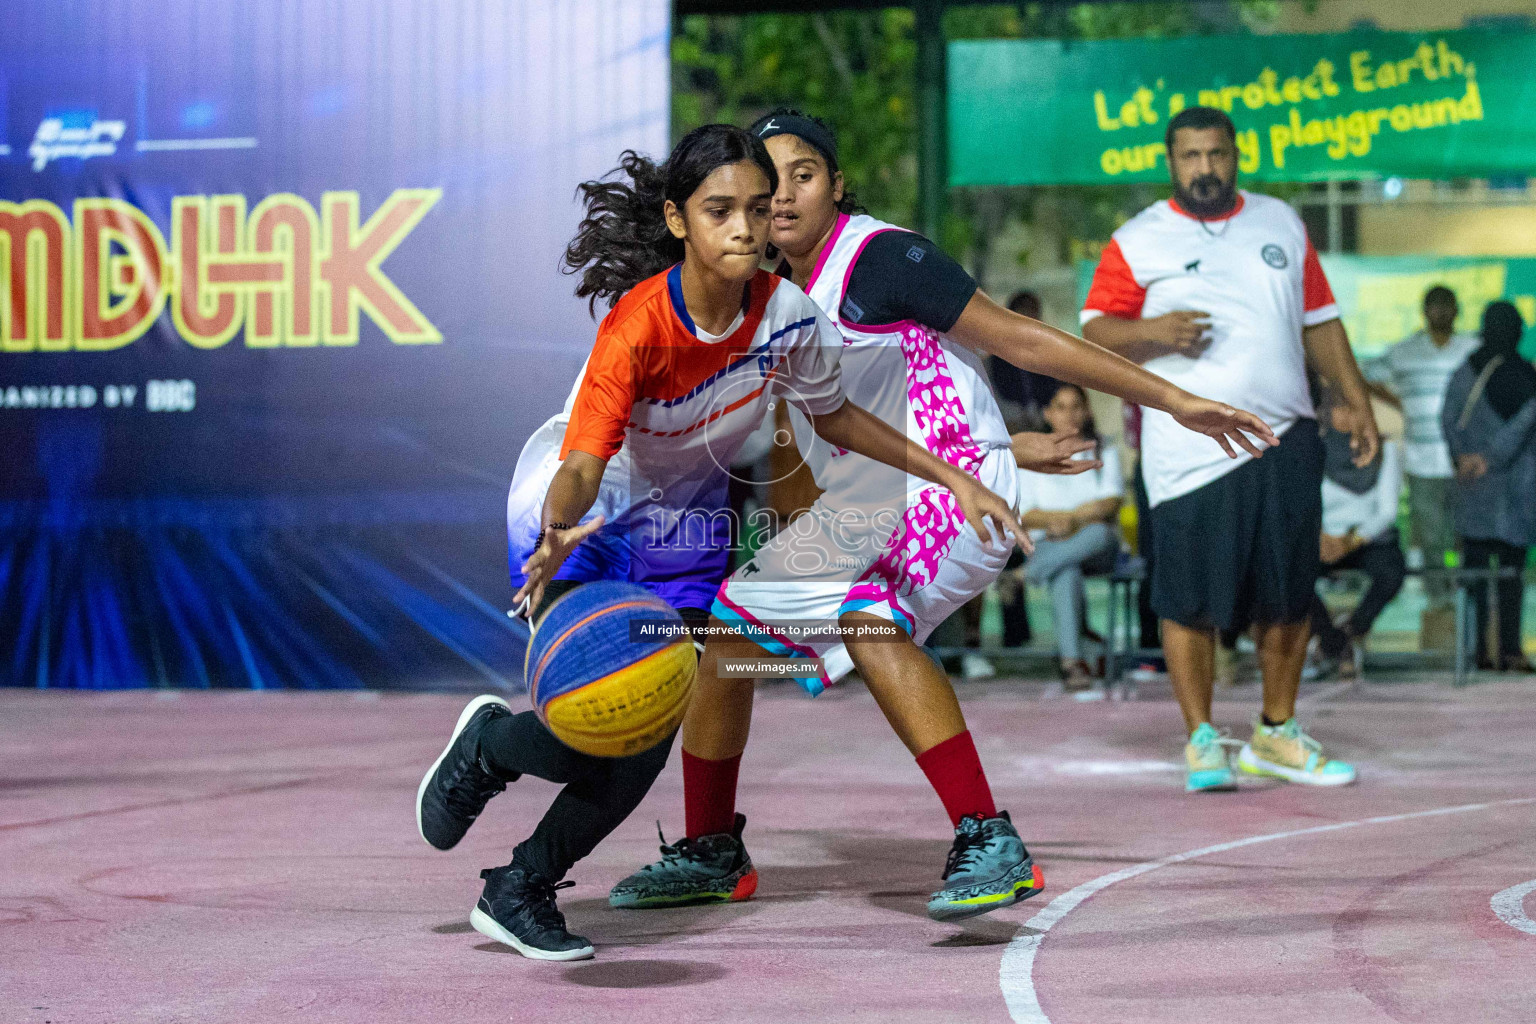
253, 857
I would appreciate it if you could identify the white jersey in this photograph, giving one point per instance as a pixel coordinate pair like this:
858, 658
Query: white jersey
667, 407
1255, 272
914, 378
828, 562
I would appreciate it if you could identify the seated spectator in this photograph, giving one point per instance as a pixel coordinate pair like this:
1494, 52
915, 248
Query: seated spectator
1359, 533
1490, 426
1072, 520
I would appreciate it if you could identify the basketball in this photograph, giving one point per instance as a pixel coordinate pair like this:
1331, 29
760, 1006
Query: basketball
610, 668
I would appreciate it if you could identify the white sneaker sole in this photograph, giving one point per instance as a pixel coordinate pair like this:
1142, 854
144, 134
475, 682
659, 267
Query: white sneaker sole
1253, 764
464, 717
486, 925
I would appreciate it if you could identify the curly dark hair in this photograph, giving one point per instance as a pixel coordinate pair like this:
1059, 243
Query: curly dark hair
624, 238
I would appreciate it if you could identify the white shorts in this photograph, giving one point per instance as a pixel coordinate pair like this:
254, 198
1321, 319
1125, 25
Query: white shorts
913, 567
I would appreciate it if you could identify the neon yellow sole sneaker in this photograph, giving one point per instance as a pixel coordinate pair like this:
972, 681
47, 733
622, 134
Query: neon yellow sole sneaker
709, 869
1285, 752
988, 868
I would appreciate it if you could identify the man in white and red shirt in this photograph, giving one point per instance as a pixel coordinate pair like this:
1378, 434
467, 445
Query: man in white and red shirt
1219, 291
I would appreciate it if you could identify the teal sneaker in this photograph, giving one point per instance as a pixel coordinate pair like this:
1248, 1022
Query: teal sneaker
709, 869
1285, 752
1207, 766
988, 868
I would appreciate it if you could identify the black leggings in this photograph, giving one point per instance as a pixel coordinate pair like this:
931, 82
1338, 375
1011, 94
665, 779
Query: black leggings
1479, 554
599, 793
1383, 563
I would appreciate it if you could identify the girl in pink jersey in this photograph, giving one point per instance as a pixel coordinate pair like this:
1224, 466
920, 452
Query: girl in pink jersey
700, 342
915, 330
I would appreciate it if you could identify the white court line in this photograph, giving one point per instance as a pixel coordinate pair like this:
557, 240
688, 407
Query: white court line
1016, 973
166, 145
1326, 693
1510, 906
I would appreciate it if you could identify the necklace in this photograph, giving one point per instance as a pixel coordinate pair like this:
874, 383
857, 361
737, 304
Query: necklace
1226, 222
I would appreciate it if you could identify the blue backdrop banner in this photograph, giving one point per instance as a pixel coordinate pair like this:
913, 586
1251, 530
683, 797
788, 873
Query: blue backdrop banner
279, 303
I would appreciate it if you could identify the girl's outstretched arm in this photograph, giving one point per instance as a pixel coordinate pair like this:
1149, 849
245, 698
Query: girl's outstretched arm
1046, 453
987, 327
856, 430
571, 495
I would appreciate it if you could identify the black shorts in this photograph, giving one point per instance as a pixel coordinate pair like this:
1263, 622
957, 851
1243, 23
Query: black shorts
1243, 548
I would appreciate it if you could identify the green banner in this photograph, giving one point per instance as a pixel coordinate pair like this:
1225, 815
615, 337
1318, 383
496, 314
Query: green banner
1307, 108
1381, 298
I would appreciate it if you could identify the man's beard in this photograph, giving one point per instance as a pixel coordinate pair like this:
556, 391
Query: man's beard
1207, 196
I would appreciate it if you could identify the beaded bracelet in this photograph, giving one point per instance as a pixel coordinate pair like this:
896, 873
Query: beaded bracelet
538, 541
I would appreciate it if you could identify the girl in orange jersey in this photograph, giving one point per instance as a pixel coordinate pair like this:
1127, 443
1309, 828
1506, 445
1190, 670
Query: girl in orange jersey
699, 344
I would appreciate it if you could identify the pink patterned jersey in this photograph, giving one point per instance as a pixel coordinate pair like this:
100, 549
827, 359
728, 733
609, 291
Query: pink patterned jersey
918, 381
906, 373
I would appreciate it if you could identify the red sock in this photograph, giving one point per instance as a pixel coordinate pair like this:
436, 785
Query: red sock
954, 770
709, 794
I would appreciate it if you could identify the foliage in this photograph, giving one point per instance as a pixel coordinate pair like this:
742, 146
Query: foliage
856, 69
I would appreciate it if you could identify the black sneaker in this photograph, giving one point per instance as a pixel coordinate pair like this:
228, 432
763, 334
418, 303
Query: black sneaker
518, 909
458, 785
709, 869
